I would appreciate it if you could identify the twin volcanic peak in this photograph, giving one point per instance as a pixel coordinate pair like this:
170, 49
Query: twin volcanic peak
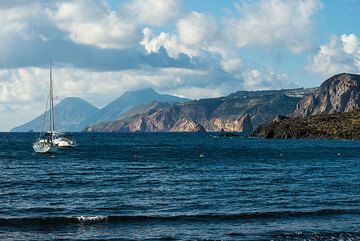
128, 101
74, 114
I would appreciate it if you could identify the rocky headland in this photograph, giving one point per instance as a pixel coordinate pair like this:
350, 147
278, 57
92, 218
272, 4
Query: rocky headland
322, 126
340, 93
331, 112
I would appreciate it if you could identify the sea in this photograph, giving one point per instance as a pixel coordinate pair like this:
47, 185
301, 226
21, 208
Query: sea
179, 186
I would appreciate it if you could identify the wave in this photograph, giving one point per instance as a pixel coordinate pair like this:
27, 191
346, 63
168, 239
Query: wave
317, 236
92, 218
63, 220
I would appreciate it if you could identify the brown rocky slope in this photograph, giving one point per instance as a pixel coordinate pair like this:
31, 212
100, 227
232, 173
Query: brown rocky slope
340, 93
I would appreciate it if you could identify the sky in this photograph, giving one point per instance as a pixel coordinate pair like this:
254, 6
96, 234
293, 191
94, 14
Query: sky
190, 48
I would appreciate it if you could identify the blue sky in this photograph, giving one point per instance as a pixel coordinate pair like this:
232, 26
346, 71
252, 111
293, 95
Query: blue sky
191, 48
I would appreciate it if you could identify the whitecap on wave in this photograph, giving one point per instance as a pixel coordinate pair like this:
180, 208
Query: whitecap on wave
91, 218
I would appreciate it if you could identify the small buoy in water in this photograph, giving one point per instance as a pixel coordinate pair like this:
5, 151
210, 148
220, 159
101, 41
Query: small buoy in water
281, 154
201, 155
135, 156
339, 154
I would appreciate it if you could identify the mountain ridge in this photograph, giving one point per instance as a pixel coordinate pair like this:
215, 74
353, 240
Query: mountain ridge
69, 113
234, 113
127, 101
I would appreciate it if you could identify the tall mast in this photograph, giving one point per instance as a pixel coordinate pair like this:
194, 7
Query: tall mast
50, 113
51, 99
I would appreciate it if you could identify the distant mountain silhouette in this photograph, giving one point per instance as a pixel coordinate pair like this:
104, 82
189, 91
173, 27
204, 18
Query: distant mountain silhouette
69, 114
128, 101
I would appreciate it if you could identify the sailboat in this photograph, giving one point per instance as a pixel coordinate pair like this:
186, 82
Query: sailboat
45, 143
64, 141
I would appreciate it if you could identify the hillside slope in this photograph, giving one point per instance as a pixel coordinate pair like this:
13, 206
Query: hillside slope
128, 101
69, 114
237, 112
340, 93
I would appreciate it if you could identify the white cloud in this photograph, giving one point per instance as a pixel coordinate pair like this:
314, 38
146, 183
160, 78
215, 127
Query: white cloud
21, 85
196, 29
152, 12
274, 23
197, 35
152, 43
266, 79
93, 23
350, 43
341, 54
27, 85
89, 22
15, 18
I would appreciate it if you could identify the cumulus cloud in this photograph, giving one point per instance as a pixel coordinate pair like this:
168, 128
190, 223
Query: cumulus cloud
80, 34
272, 23
171, 43
152, 12
196, 28
28, 85
16, 18
340, 54
266, 79
195, 33
93, 23
19, 52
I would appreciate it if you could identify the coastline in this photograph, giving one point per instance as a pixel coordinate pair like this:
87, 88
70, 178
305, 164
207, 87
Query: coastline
336, 126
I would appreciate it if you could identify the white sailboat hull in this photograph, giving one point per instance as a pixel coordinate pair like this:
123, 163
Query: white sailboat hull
45, 147
63, 143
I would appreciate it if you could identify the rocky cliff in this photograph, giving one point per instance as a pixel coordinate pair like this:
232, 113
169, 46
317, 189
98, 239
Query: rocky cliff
340, 93
237, 112
322, 126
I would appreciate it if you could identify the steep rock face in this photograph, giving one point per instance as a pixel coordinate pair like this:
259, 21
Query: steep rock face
184, 125
340, 93
69, 114
131, 121
243, 124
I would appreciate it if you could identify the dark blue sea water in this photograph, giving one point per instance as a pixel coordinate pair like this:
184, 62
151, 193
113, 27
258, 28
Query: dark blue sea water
180, 186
